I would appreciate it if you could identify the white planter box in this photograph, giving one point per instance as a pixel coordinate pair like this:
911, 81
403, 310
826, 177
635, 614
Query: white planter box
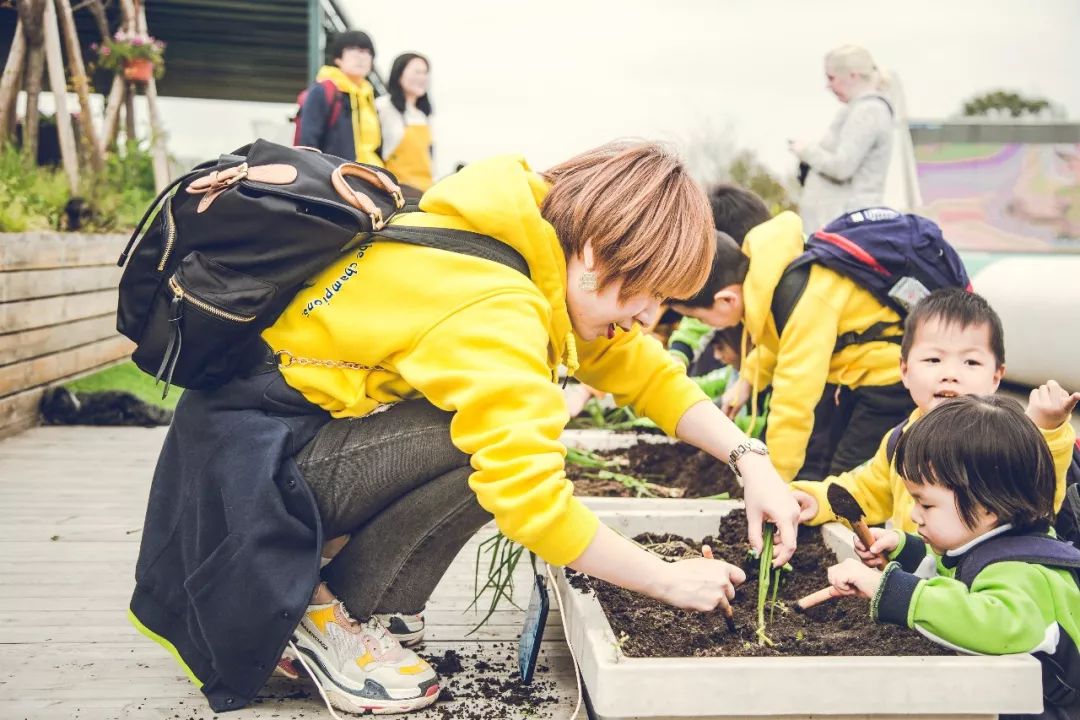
593, 439
621, 688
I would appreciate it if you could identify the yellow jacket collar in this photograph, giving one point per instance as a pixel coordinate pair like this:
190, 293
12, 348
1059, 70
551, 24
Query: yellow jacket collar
344, 83
501, 197
771, 247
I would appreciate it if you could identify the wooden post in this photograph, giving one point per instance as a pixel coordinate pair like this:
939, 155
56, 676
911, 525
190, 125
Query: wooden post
9, 83
129, 111
55, 60
31, 12
82, 88
157, 130
112, 113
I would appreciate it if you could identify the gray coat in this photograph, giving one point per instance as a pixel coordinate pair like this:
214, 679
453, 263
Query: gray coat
848, 166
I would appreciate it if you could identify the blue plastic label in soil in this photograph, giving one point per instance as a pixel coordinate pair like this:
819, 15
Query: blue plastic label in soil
533, 631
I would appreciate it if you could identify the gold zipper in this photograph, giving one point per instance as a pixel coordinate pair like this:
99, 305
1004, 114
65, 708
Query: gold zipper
180, 293
171, 239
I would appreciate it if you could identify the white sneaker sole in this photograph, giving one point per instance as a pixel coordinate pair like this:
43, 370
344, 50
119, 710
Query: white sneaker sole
352, 703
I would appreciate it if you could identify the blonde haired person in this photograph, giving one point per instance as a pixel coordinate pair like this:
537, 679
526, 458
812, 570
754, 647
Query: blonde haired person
847, 167
405, 117
466, 353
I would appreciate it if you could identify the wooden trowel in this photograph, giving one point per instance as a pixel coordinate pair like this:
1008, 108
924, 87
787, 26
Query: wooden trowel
847, 507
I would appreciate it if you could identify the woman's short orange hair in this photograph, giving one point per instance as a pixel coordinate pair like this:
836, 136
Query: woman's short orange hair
648, 221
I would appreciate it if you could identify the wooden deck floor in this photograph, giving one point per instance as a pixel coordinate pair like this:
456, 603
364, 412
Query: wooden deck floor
71, 510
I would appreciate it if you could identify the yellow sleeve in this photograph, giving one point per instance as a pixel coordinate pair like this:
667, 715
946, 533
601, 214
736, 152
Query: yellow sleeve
802, 369
758, 367
871, 484
487, 363
1060, 441
638, 371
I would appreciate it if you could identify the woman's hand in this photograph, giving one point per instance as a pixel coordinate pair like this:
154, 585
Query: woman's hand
735, 397
768, 498
885, 541
699, 584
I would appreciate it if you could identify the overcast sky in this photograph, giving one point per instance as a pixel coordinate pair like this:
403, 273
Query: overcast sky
550, 79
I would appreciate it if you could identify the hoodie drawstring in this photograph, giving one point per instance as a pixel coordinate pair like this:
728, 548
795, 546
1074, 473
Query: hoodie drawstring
753, 385
572, 363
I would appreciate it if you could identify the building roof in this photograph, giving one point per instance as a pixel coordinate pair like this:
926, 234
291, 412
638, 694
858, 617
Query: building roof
256, 50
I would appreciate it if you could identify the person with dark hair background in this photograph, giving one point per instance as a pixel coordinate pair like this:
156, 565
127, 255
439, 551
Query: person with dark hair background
337, 113
405, 117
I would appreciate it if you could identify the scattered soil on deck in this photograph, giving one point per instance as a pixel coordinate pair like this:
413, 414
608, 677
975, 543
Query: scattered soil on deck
671, 465
838, 627
482, 689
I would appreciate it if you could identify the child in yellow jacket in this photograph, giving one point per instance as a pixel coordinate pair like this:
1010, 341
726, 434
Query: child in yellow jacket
809, 362
953, 345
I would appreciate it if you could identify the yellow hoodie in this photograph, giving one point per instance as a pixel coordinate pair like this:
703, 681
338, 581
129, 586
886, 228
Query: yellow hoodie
800, 364
881, 492
481, 340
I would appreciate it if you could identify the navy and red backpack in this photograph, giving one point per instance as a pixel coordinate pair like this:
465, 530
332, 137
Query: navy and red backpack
900, 258
333, 99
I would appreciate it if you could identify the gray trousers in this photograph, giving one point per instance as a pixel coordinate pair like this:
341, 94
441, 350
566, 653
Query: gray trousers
399, 487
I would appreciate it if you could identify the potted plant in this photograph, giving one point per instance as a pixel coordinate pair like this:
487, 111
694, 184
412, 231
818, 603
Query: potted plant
137, 55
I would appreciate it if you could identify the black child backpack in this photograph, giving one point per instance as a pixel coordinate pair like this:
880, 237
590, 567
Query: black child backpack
235, 239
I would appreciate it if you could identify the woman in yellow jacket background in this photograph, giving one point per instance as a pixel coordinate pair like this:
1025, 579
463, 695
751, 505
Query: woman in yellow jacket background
442, 369
405, 118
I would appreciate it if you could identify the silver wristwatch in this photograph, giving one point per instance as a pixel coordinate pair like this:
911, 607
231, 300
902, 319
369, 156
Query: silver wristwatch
751, 445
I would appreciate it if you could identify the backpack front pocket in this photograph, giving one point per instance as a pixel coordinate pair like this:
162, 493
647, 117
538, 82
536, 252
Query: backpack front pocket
203, 314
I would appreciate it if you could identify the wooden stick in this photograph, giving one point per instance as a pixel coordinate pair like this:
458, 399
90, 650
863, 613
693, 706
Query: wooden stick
729, 614
158, 136
867, 539
82, 88
55, 61
9, 84
112, 113
816, 598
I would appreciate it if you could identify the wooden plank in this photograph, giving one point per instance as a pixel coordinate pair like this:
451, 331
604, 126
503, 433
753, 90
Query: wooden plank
41, 371
29, 314
43, 341
45, 250
19, 412
30, 284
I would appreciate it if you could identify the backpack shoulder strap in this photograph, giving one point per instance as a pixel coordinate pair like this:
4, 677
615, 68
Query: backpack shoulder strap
459, 241
333, 100
1036, 548
894, 440
789, 290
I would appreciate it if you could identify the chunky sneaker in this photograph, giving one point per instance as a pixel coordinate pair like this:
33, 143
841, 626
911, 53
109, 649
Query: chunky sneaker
361, 666
407, 628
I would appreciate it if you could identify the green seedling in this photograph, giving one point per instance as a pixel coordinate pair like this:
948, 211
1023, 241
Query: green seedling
505, 554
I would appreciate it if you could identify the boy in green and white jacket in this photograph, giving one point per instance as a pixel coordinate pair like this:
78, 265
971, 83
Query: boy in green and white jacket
983, 574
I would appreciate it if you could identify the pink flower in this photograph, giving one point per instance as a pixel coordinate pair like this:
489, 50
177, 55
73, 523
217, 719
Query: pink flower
106, 51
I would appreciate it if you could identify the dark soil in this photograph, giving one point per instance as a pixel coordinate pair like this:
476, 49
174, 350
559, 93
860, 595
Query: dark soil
483, 690
671, 465
838, 627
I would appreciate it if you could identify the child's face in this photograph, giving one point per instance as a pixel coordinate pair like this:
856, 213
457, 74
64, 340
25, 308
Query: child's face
938, 519
946, 361
726, 310
726, 354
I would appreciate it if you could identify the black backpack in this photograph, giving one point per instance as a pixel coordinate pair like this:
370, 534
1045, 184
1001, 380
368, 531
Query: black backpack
236, 238
1061, 672
899, 258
